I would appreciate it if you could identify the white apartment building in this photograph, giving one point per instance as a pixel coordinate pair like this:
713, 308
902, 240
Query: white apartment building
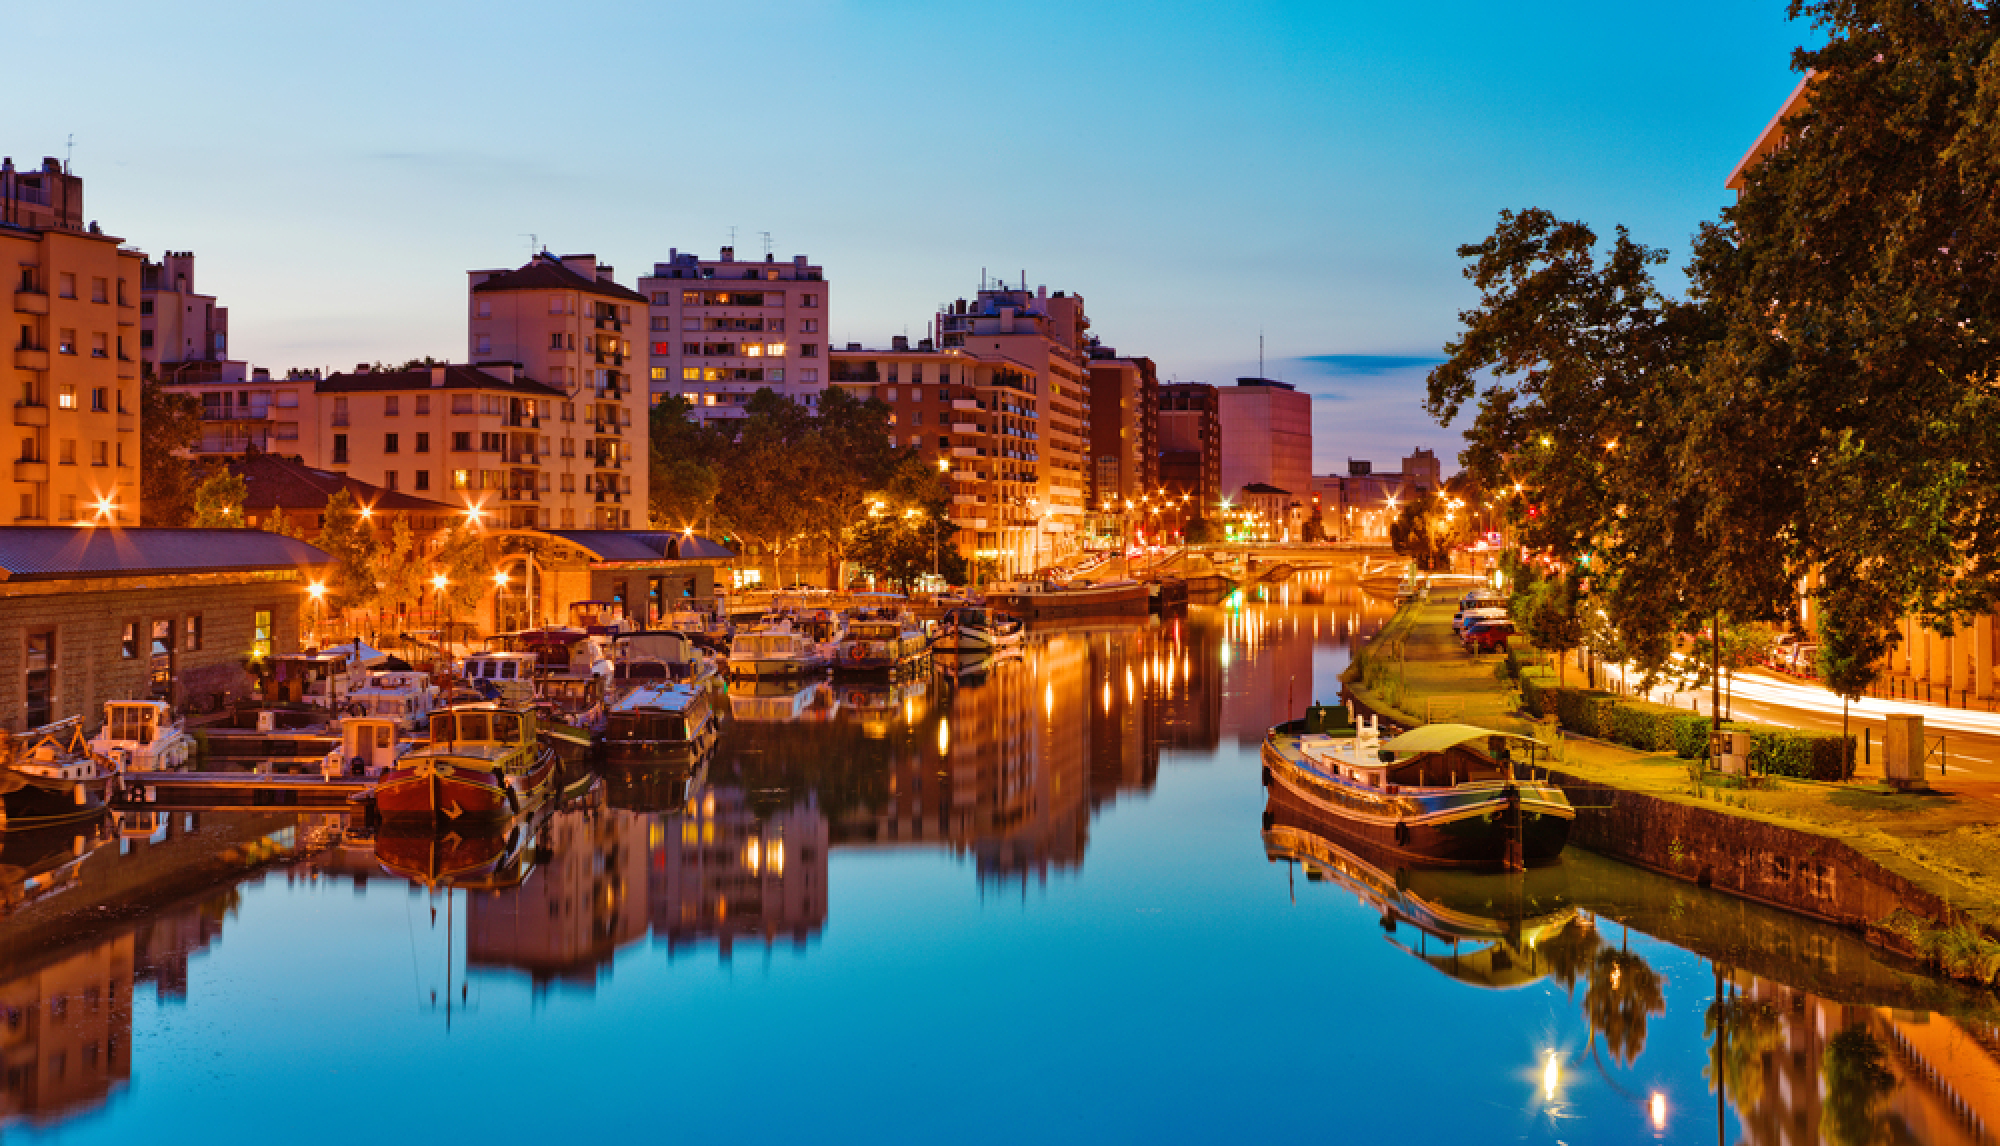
721, 330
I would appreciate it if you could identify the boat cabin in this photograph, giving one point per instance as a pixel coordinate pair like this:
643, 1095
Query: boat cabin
368, 746
406, 698
658, 713
599, 617
141, 735
480, 724
572, 695
54, 751
322, 680
508, 677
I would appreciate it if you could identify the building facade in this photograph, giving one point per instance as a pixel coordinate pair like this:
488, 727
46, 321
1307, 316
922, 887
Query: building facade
183, 334
566, 323
720, 330
1124, 428
73, 374
1266, 437
1190, 444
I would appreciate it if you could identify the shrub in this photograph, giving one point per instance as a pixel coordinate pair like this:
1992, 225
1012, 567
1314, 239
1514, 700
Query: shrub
1649, 727
1801, 755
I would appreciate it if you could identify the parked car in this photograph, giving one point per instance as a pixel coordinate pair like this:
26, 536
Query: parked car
1803, 656
1488, 636
1466, 618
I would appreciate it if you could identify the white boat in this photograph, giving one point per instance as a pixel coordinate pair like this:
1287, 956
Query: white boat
661, 657
777, 650
973, 631
506, 677
369, 746
882, 640
323, 680
408, 698
141, 736
658, 719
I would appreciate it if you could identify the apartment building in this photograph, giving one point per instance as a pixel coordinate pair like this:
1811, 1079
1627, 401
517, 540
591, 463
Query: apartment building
720, 330
74, 371
1124, 428
977, 418
1266, 437
1190, 443
183, 334
564, 321
1045, 335
490, 441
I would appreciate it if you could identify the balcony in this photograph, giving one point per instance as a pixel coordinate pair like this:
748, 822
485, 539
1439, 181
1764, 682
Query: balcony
31, 301
31, 471
965, 428
240, 414
964, 452
31, 358
26, 414
964, 404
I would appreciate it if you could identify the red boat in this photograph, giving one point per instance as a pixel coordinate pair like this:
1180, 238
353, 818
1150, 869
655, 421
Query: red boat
484, 764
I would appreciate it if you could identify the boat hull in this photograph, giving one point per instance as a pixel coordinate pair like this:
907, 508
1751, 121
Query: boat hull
775, 668
41, 803
1064, 604
442, 791
1477, 826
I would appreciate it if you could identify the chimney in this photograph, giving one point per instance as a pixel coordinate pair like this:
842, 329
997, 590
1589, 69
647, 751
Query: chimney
900, 342
437, 375
1006, 320
799, 261
361, 368
728, 255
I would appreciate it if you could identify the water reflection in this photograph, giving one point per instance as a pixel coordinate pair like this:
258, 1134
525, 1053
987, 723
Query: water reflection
1110, 771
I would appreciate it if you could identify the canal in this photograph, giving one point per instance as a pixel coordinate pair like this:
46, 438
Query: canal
1047, 902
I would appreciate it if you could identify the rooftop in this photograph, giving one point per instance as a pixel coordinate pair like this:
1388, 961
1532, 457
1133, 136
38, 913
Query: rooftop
547, 272
278, 482
454, 377
42, 553
641, 545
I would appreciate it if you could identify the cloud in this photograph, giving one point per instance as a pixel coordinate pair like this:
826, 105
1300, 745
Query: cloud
1366, 365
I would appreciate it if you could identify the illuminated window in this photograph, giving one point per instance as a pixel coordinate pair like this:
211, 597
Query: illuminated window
774, 350
708, 399
659, 374
713, 374
260, 644
753, 350
690, 373
461, 479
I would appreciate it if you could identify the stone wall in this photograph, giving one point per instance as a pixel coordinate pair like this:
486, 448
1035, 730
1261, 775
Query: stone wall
89, 621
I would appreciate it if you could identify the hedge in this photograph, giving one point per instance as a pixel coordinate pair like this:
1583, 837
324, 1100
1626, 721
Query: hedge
1650, 727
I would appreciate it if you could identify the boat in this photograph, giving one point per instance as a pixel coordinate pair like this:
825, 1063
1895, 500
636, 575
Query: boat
710, 631
491, 859
776, 651
484, 763
1166, 594
369, 746
323, 680
506, 677
1047, 600
48, 777
973, 631
1444, 795
406, 697
141, 736
1483, 928
656, 656
661, 719
881, 640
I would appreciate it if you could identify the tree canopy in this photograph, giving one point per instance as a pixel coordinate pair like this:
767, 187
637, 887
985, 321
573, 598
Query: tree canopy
171, 422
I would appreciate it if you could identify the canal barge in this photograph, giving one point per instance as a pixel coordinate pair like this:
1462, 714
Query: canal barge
661, 719
1047, 601
1441, 795
48, 777
483, 763
883, 641
970, 631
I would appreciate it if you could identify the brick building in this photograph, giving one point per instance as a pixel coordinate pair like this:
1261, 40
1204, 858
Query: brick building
90, 615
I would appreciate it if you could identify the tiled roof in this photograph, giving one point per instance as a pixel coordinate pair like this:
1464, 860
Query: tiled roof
276, 482
456, 377
641, 545
546, 272
50, 552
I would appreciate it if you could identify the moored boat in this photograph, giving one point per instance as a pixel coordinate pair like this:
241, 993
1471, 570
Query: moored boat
1047, 600
508, 677
48, 777
973, 631
881, 640
1444, 795
775, 651
483, 763
661, 719
141, 736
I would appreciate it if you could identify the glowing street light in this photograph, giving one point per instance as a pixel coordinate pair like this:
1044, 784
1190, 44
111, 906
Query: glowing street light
316, 590
439, 582
500, 578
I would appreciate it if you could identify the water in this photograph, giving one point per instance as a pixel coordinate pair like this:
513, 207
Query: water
1041, 905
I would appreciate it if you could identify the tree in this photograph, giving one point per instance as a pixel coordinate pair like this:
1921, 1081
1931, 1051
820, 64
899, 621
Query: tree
218, 501
347, 539
1428, 529
1552, 620
461, 558
171, 423
684, 476
909, 527
402, 568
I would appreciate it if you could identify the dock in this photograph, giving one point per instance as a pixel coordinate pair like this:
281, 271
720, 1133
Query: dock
238, 790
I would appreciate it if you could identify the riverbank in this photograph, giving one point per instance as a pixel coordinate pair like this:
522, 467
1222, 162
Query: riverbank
1919, 872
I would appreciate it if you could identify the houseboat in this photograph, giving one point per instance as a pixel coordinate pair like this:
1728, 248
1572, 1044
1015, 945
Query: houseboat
369, 746
141, 736
405, 697
1444, 795
505, 677
655, 656
48, 777
970, 631
882, 640
660, 720
1049, 601
322, 681
775, 651
710, 631
484, 762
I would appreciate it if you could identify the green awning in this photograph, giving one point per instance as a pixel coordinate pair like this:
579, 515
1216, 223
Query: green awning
1443, 737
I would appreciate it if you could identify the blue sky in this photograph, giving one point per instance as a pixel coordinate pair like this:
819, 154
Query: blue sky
1200, 172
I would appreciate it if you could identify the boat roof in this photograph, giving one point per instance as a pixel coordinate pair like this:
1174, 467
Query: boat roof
661, 697
1444, 737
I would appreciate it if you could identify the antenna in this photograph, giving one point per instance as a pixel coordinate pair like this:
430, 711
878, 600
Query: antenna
732, 237
767, 243
1260, 352
534, 242
68, 147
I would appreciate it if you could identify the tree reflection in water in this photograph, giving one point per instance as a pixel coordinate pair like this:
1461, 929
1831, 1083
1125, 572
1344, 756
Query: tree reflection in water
1855, 1072
1742, 1033
1624, 993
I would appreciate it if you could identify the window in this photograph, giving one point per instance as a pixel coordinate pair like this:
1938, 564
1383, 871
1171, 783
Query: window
569, 411
558, 304
461, 479
569, 483
809, 301
340, 449
66, 340
659, 374
774, 350
122, 357
695, 348
288, 431
808, 350
423, 442
66, 452
774, 375
660, 322
389, 445
555, 340
482, 344
423, 405
690, 373
917, 418
461, 441
100, 453
663, 348
809, 375
392, 405
690, 297
260, 642
464, 404
66, 285
191, 633
690, 323
569, 447
389, 477
122, 463
69, 507
340, 410
128, 644
809, 326
100, 290
423, 479
100, 346
41, 680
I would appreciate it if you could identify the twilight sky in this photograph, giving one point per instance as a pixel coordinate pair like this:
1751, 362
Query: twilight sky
1199, 172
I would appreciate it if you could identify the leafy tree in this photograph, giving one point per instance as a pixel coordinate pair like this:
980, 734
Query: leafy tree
1855, 1070
218, 501
347, 539
685, 453
461, 557
1203, 531
1553, 624
1624, 993
1427, 530
909, 529
402, 568
171, 423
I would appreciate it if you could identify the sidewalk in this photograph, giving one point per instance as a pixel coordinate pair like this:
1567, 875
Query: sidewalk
1946, 840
